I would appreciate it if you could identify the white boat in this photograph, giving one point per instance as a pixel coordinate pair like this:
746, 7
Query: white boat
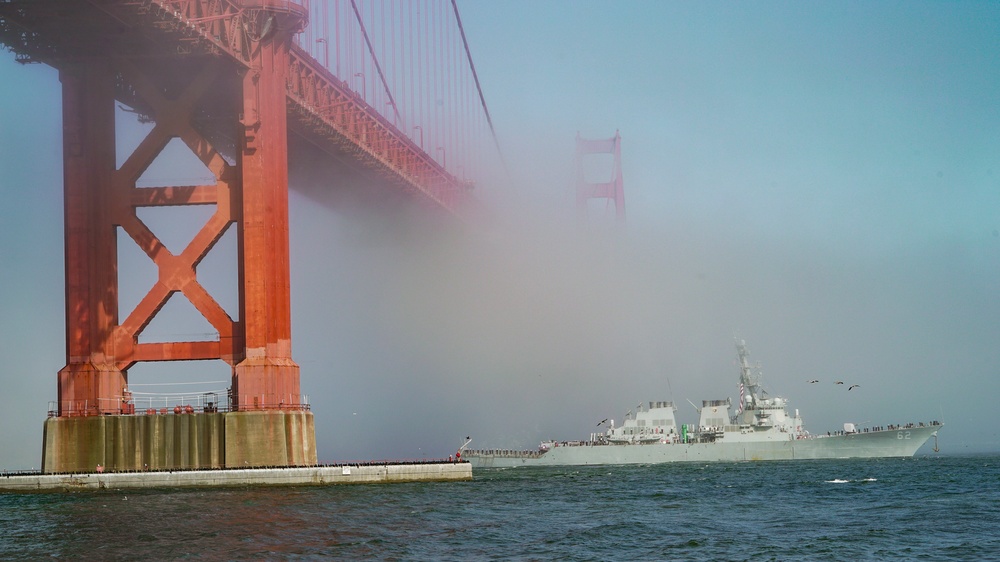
760, 429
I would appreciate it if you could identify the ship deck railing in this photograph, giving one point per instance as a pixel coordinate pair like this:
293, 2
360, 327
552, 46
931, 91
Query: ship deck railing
508, 453
880, 428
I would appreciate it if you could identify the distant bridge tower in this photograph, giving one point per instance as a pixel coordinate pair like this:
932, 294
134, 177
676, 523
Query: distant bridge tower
611, 190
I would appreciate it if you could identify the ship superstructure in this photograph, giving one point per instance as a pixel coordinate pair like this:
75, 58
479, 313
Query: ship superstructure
761, 428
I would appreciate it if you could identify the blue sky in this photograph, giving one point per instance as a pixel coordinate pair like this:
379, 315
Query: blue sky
823, 178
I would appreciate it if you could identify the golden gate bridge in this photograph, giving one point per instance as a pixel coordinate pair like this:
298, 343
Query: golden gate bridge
384, 92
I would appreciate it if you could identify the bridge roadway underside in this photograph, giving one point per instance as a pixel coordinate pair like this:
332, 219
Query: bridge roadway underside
178, 441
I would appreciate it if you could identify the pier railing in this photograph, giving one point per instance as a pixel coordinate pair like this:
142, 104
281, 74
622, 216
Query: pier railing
173, 403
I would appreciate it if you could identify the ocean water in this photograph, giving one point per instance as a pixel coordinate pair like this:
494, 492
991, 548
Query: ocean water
923, 508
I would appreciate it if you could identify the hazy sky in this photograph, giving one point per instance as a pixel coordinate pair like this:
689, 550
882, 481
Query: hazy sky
822, 178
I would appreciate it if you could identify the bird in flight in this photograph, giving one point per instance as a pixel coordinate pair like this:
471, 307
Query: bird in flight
839, 382
853, 386
813, 381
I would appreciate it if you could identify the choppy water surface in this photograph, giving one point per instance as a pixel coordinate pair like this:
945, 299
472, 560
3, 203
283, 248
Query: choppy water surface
927, 508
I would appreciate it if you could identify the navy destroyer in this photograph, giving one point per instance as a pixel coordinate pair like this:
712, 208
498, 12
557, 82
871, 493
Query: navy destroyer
760, 429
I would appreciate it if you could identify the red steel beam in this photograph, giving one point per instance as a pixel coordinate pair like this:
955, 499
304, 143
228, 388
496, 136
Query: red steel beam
266, 375
91, 375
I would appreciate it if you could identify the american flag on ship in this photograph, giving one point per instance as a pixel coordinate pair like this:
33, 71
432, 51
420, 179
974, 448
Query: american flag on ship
741, 399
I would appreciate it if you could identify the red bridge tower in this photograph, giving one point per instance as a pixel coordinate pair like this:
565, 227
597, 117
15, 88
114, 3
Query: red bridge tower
220, 107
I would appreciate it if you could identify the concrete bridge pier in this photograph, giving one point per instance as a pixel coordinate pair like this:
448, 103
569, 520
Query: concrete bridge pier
118, 443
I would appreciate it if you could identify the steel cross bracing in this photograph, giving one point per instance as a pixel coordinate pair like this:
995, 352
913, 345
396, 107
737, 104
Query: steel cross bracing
176, 272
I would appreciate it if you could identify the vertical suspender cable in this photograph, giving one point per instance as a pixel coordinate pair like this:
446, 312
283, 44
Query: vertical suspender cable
436, 80
425, 73
374, 58
479, 88
310, 44
392, 47
450, 90
419, 83
326, 35
409, 81
336, 32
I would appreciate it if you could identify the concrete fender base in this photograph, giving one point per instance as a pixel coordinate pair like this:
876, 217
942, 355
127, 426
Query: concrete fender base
296, 476
178, 441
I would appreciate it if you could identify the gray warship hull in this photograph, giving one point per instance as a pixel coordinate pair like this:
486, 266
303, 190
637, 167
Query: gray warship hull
874, 444
761, 430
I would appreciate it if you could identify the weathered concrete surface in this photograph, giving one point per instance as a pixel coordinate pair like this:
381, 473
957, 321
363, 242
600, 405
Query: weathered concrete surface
179, 441
270, 438
294, 476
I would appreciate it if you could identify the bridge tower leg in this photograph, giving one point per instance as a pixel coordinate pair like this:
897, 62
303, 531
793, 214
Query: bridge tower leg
91, 383
613, 190
267, 422
266, 377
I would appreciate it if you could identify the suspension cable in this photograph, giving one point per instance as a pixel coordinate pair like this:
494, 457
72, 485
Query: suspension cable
378, 67
475, 76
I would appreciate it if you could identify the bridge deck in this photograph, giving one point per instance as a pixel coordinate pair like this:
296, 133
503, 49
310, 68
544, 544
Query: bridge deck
322, 109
